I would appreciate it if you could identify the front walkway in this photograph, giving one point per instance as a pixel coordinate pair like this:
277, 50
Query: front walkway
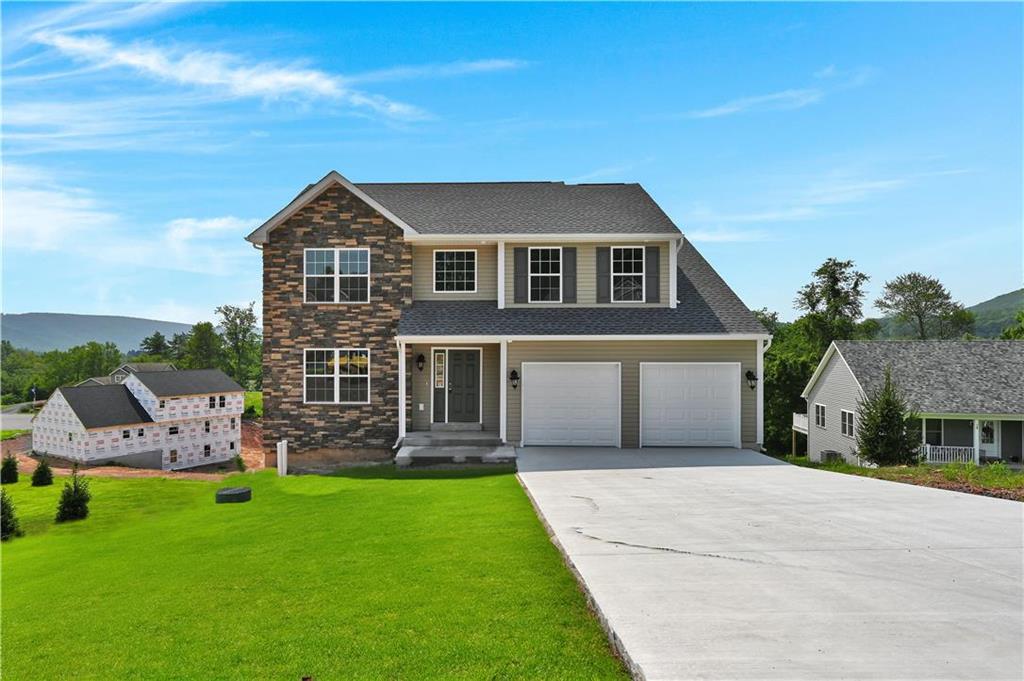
726, 564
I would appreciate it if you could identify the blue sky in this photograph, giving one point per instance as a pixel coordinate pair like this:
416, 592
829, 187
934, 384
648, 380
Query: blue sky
141, 142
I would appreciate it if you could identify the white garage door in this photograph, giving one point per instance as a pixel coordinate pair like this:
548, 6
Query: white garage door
693, 404
571, 403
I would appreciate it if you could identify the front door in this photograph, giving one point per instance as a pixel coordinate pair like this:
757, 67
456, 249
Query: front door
463, 386
989, 439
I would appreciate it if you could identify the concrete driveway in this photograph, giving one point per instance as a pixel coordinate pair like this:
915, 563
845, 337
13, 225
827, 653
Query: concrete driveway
726, 564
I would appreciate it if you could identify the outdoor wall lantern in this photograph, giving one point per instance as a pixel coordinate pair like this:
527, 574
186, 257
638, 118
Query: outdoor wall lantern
751, 379
420, 361
514, 377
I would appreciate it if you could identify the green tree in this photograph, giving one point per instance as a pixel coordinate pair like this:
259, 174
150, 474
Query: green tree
1015, 331
9, 469
42, 476
204, 347
923, 303
834, 303
155, 344
176, 347
887, 430
241, 342
9, 525
74, 498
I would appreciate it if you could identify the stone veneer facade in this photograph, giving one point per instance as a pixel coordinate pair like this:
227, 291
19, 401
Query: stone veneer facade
332, 433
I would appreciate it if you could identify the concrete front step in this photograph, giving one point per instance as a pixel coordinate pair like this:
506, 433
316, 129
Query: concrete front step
451, 439
456, 427
500, 454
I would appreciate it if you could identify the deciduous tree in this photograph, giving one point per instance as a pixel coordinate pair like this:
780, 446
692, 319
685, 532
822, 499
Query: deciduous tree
926, 306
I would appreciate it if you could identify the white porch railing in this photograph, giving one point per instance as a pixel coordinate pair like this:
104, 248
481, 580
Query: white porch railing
947, 454
800, 423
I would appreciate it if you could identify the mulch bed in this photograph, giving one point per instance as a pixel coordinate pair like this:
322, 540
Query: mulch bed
252, 455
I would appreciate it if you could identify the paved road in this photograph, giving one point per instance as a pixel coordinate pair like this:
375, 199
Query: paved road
10, 419
731, 565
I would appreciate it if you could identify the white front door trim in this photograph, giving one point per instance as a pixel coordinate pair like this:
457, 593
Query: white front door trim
433, 360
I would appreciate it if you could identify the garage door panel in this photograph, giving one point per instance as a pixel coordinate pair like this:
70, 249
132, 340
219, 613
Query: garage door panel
569, 404
690, 405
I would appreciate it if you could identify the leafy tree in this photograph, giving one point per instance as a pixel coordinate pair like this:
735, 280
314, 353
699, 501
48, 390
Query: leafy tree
1016, 331
176, 347
926, 305
9, 470
42, 476
156, 344
74, 498
887, 430
9, 525
788, 365
241, 341
834, 303
204, 347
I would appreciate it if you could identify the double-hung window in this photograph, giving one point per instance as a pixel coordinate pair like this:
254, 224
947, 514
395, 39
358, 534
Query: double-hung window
627, 274
455, 271
337, 275
819, 415
846, 425
337, 376
545, 275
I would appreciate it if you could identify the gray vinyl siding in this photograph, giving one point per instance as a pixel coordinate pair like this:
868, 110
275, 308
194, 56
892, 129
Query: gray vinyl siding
586, 274
421, 385
486, 274
630, 354
837, 389
1013, 440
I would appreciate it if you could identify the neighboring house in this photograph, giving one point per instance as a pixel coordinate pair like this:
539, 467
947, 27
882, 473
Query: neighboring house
969, 394
119, 374
535, 313
164, 419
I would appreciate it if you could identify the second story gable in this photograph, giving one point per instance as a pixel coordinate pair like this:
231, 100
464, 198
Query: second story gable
175, 395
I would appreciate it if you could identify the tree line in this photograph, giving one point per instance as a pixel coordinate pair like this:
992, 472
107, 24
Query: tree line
832, 306
234, 346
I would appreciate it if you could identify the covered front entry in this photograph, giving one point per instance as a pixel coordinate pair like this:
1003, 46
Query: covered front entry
457, 375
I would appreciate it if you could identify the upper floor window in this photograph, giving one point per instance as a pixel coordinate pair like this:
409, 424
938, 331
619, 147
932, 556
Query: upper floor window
627, 274
213, 401
222, 400
340, 376
455, 271
545, 275
337, 275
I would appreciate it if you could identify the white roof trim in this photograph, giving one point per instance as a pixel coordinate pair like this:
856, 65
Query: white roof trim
832, 350
261, 233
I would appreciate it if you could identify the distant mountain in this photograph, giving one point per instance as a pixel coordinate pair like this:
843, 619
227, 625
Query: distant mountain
991, 317
43, 331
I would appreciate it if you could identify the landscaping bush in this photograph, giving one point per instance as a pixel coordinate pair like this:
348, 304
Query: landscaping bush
9, 469
240, 462
74, 499
887, 431
42, 476
8, 520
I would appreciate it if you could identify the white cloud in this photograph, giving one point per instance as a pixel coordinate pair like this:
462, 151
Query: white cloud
776, 101
448, 70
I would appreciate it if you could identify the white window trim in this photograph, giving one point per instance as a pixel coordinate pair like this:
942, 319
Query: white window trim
846, 416
338, 276
337, 374
643, 274
476, 268
824, 420
530, 275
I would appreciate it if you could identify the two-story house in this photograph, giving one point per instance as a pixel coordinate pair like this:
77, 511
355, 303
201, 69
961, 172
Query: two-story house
152, 419
537, 313
120, 373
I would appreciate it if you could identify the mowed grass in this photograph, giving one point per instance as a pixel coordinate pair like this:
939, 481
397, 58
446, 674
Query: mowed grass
375, 573
11, 434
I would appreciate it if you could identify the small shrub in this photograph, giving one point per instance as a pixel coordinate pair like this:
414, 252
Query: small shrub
9, 469
74, 498
239, 462
886, 433
42, 476
9, 526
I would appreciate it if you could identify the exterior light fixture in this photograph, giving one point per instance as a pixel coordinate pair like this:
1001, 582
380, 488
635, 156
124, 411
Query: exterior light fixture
420, 361
514, 377
751, 379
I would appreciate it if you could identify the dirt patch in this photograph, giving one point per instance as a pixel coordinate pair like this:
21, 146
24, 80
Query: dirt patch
252, 454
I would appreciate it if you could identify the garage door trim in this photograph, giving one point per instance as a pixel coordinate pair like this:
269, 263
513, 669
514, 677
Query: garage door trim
525, 384
739, 394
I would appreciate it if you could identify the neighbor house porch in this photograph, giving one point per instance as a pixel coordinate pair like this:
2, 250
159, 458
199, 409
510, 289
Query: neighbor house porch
972, 439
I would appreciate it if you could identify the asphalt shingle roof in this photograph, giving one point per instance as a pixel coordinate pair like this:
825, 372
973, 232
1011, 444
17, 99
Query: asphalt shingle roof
188, 382
522, 208
944, 377
706, 305
102, 406
96, 380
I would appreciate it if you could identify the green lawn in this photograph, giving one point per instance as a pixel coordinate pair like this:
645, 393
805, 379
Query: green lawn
11, 434
373, 573
254, 400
